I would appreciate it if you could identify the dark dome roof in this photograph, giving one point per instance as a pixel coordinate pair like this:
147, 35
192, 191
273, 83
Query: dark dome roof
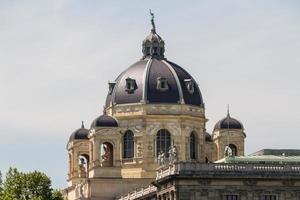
154, 79
208, 137
80, 134
105, 121
228, 123
178, 85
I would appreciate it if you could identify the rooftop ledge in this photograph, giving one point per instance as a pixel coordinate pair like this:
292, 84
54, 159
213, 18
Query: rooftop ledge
222, 170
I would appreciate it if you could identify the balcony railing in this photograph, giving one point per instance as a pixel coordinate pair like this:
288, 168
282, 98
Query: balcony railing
135, 194
224, 169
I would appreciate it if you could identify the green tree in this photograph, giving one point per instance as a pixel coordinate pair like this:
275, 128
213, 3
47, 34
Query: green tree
57, 195
27, 186
1, 185
12, 186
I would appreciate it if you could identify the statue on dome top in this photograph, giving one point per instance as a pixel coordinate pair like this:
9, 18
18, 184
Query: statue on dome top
152, 21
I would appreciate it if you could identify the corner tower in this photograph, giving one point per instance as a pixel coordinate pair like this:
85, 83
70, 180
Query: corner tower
229, 132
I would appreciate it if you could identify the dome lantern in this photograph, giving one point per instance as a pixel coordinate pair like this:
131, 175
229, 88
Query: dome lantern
153, 45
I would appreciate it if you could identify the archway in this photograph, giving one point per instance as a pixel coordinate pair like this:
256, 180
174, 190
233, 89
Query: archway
83, 165
233, 149
107, 153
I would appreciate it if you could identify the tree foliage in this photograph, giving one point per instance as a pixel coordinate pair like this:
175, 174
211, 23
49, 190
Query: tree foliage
57, 195
0, 184
28, 186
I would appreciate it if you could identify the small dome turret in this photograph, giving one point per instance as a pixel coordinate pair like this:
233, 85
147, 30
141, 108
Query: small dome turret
104, 121
228, 123
80, 134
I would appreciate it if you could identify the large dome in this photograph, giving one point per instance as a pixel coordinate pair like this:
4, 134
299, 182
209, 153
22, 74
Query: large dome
154, 79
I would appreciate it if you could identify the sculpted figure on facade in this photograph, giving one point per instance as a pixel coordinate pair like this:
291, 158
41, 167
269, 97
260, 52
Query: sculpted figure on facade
82, 169
227, 151
161, 159
139, 150
173, 155
79, 189
107, 155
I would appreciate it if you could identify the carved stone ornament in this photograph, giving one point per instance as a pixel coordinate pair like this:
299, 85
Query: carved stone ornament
250, 182
152, 129
79, 189
288, 182
139, 149
106, 131
92, 132
137, 129
204, 182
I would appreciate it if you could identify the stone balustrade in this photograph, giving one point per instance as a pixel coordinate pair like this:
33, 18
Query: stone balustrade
140, 192
224, 169
216, 169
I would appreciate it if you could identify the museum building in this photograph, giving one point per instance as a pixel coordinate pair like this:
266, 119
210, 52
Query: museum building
151, 142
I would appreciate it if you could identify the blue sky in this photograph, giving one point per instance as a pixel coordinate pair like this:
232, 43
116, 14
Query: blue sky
56, 58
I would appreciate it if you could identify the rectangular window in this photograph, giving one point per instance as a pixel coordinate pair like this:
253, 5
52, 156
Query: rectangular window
269, 197
162, 84
230, 197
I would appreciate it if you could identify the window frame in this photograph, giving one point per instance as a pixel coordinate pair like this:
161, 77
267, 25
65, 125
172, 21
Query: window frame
234, 149
193, 145
269, 197
190, 85
163, 142
231, 197
162, 81
130, 85
128, 145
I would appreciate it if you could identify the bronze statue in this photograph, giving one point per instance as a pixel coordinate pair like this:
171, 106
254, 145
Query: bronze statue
152, 20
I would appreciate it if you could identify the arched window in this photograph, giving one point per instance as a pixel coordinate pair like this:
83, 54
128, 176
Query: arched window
107, 154
233, 149
83, 165
128, 145
193, 146
163, 142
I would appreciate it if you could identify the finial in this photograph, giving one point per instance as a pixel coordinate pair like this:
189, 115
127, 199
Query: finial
104, 110
152, 21
82, 124
228, 114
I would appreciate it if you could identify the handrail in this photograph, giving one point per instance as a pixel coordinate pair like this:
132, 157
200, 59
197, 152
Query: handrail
138, 193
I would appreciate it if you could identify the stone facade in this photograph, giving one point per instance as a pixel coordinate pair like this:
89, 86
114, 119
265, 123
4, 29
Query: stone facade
187, 181
152, 108
200, 181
